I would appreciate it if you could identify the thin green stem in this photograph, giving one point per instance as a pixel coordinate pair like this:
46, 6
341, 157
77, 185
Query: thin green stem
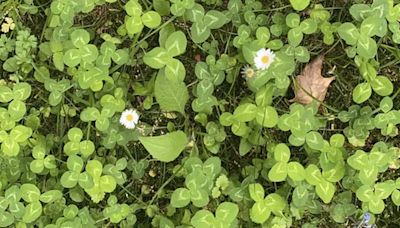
163, 186
128, 152
78, 99
155, 31
272, 10
396, 94
133, 195
88, 130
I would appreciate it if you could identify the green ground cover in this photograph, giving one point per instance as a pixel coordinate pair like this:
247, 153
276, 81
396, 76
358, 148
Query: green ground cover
207, 113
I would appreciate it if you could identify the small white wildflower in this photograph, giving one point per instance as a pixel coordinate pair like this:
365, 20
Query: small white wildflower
7, 25
248, 71
129, 118
264, 58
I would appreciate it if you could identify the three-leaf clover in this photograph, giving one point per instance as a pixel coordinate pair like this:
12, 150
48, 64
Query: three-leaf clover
283, 167
361, 38
331, 158
102, 183
15, 97
247, 112
387, 120
298, 29
10, 206
56, 90
74, 175
42, 160
108, 52
72, 216
322, 16
393, 19
264, 205
111, 104
179, 7
361, 122
211, 74
26, 213
324, 188
117, 170
93, 77
369, 164
64, 12
243, 37
204, 22
83, 52
136, 19
10, 143
214, 137
169, 89
373, 196
101, 118
225, 215
161, 57
117, 134
138, 168
25, 44
77, 145
300, 121
31, 194
115, 211
378, 83
199, 182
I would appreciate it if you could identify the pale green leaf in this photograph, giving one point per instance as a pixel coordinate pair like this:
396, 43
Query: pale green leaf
171, 95
167, 147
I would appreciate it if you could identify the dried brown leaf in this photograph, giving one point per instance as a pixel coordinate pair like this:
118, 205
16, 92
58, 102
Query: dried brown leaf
311, 82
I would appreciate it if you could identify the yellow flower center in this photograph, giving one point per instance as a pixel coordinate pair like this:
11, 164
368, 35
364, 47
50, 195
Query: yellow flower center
265, 59
129, 117
249, 73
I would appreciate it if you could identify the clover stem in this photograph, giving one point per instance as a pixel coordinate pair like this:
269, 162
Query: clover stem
78, 99
393, 62
115, 68
128, 152
133, 195
333, 47
145, 4
44, 29
133, 46
61, 129
395, 95
88, 130
60, 160
271, 10
91, 99
155, 31
165, 184
100, 220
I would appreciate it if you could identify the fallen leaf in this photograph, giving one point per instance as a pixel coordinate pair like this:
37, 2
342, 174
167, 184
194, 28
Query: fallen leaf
311, 82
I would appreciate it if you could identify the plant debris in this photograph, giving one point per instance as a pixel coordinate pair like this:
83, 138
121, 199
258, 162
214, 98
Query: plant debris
310, 84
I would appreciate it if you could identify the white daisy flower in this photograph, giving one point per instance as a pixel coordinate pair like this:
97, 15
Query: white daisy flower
129, 118
264, 58
248, 71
